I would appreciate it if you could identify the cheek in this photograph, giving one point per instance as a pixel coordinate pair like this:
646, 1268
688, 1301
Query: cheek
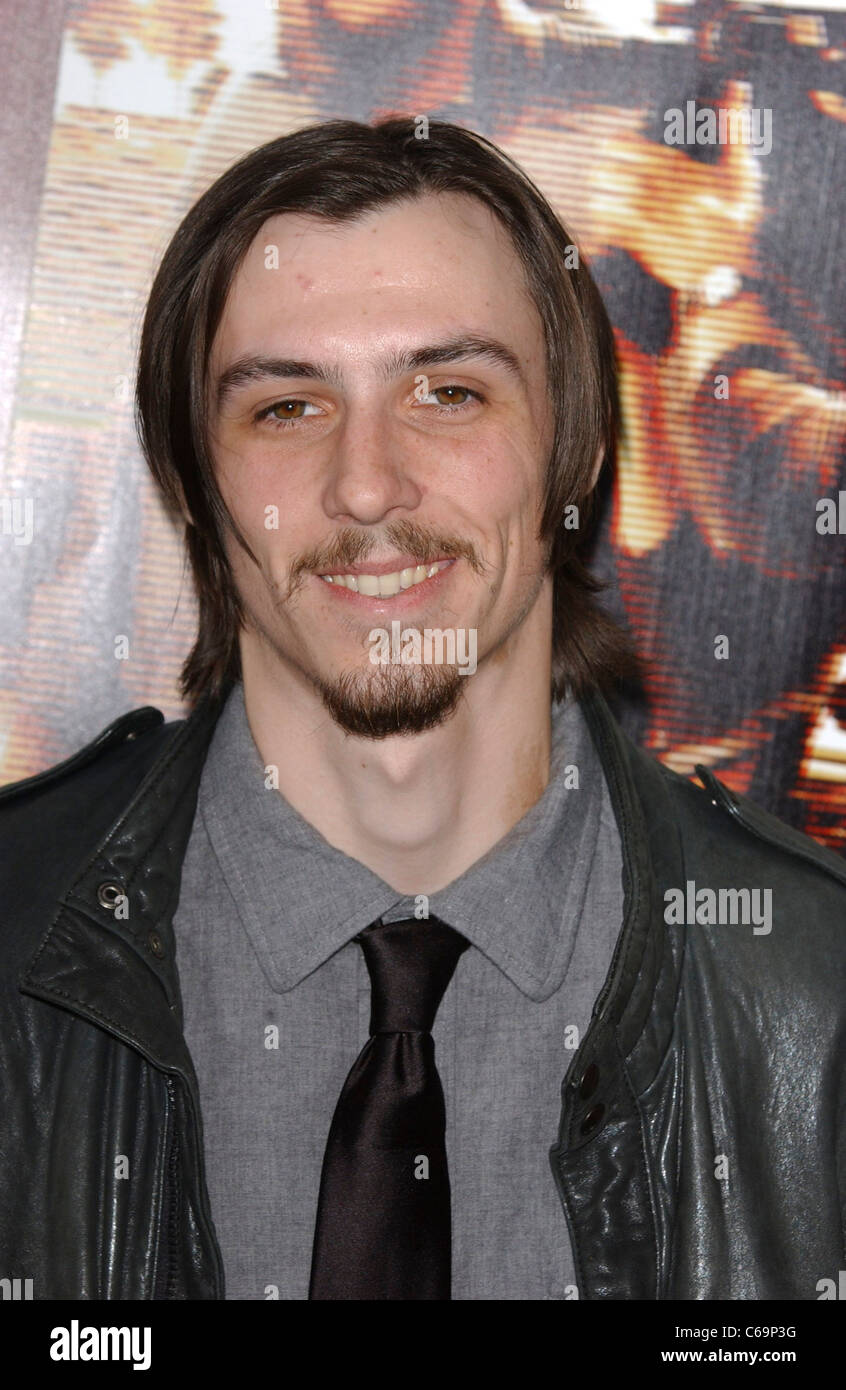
517, 456
256, 509
246, 478
261, 500
506, 485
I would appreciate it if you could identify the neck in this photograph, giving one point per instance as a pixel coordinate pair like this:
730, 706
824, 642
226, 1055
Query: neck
417, 810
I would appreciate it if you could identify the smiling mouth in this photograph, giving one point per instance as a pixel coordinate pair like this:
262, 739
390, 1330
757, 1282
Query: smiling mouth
386, 585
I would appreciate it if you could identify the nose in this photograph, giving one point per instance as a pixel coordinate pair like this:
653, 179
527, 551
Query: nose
369, 473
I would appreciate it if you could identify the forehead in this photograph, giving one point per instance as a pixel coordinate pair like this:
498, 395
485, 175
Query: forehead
434, 262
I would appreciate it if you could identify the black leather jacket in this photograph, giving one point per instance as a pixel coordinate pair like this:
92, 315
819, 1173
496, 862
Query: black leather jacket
702, 1147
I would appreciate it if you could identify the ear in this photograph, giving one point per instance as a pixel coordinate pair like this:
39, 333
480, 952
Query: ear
597, 467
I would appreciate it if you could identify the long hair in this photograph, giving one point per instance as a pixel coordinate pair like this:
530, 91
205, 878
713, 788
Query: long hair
339, 170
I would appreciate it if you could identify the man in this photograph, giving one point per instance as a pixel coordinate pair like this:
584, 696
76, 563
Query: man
385, 975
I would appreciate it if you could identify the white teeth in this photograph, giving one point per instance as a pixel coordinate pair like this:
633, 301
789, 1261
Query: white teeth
385, 585
389, 584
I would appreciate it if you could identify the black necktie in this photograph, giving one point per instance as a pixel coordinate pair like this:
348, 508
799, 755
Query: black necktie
383, 1214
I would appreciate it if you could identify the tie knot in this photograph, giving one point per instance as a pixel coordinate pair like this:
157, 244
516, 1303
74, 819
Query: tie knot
410, 964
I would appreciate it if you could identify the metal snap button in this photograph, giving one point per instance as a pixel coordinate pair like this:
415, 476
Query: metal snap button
592, 1119
589, 1081
156, 944
109, 895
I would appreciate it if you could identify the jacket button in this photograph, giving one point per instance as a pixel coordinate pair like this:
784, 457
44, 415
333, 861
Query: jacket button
156, 944
592, 1119
109, 895
589, 1081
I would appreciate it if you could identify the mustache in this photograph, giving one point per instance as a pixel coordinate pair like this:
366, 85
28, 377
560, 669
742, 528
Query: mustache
351, 546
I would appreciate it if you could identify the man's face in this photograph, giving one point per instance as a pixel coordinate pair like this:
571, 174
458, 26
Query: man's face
399, 419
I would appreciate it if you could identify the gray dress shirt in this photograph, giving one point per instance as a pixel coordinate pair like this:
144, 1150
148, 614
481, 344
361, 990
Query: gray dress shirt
276, 1001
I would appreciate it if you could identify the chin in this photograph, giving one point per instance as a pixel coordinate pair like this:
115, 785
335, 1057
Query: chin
386, 700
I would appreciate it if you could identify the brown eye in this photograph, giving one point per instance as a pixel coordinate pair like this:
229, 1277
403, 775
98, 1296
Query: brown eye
449, 391
289, 412
450, 399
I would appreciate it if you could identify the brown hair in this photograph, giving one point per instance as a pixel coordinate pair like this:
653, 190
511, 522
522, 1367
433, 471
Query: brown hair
339, 170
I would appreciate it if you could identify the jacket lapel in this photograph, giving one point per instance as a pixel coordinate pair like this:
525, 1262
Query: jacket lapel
109, 952
600, 1160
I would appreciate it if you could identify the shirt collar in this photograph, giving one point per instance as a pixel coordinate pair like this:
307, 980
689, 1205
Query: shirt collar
300, 899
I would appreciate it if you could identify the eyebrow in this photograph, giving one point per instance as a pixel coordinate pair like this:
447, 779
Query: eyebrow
246, 371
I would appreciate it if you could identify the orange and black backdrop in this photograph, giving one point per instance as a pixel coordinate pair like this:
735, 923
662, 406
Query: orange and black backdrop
722, 265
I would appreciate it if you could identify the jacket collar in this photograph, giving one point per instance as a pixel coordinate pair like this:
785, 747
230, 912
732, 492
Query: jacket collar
634, 1015
116, 965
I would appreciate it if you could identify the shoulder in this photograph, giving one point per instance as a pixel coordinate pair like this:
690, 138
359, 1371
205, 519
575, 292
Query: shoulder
78, 801
716, 862
127, 728
134, 784
122, 749
736, 825
755, 903
681, 817
50, 821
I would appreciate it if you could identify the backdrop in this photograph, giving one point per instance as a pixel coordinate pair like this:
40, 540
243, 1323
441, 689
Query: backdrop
696, 152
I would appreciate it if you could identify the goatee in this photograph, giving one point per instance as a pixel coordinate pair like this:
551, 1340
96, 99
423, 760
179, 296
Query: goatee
388, 700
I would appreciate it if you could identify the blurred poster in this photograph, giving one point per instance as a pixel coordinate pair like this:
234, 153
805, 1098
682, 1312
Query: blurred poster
695, 151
